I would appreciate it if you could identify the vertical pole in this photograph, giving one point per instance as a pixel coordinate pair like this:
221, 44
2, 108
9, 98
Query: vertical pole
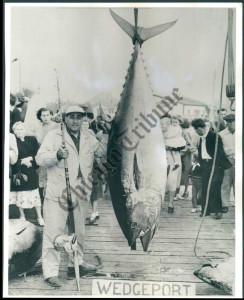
231, 73
20, 85
136, 17
211, 113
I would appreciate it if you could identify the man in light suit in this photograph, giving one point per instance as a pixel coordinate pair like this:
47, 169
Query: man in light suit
206, 150
228, 138
81, 147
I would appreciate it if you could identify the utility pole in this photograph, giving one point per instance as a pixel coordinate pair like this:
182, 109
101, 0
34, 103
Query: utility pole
20, 85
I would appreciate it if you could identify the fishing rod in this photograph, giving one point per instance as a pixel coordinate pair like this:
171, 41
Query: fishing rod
71, 221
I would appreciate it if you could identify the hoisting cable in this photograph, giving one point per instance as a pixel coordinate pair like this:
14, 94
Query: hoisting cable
215, 153
230, 88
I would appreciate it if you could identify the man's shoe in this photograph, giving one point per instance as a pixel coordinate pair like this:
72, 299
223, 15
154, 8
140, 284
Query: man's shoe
87, 267
170, 210
54, 281
199, 209
218, 216
175, 167
225, 209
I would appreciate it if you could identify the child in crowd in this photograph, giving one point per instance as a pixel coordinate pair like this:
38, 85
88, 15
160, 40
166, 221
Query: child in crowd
196, 177
173, 139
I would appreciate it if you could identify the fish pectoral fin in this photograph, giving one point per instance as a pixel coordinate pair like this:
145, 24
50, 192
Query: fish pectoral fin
126, 26
153, 231
145, 239
147, 33
136, 172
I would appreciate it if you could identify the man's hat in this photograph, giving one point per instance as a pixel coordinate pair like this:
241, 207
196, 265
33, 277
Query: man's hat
230, 117
12, 99
75, 109
22, 98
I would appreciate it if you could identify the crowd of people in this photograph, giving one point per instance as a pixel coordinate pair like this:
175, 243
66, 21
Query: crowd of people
37, 174
206, 157
37, 177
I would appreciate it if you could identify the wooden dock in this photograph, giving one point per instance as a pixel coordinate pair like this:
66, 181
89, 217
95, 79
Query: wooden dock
170, 258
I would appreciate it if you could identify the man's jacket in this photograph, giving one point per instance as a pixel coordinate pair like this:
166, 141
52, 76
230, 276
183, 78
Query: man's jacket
47, 157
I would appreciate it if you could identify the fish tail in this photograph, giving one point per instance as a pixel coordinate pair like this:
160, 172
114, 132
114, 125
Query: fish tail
140, 34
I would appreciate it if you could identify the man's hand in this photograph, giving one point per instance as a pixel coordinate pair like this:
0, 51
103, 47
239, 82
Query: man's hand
99, 135
62, 153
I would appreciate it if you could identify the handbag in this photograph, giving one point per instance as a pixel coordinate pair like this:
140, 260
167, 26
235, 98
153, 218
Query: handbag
19, 179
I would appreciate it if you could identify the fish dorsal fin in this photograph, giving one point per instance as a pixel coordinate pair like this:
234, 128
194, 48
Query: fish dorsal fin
147, 33
126, 26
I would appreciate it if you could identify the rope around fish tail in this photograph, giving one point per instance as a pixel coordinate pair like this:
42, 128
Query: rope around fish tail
215, 154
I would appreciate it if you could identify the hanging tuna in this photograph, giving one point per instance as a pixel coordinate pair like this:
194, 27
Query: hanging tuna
136, 147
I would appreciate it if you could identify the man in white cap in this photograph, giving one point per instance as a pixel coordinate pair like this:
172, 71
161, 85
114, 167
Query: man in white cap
80, 149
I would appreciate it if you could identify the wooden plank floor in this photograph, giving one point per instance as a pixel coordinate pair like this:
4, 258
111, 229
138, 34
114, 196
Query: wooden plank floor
170, 257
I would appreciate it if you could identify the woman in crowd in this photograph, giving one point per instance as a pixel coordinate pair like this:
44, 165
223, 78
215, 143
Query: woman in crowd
186, 156
173, 157
99, 178
174, 143
24, 185
90, 124
86, 124
173, 138
44, 115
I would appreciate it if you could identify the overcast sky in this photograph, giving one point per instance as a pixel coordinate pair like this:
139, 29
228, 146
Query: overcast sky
92, 53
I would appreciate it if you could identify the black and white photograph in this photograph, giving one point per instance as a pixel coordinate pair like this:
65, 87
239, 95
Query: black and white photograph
123, 126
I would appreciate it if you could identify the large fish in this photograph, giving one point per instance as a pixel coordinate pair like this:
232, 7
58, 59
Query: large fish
25, 246
220, 275
136, 147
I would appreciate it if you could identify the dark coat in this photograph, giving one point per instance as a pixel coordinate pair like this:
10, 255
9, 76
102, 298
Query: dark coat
222, 125
26, 148
23, 106
221, 159
15, 116
196, 173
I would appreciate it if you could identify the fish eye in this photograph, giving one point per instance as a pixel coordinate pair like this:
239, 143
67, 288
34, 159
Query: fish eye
133, 224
